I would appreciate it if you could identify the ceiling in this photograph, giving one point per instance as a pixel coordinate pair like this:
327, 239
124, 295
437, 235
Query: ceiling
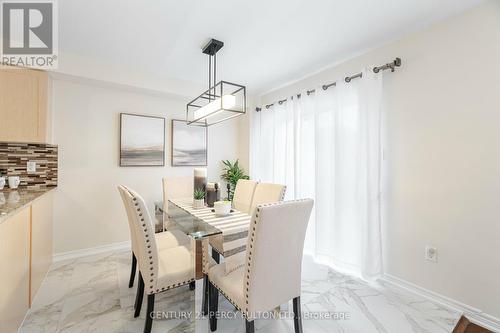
267, 43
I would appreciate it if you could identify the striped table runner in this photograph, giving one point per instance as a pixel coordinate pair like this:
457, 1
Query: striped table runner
234, 227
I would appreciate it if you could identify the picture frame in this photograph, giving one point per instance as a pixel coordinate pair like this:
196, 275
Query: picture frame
142, 140
189, 144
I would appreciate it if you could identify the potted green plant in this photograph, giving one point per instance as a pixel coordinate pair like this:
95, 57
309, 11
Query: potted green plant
232, 173
199, 198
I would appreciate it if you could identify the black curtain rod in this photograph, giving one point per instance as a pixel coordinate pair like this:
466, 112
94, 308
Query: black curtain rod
390, 65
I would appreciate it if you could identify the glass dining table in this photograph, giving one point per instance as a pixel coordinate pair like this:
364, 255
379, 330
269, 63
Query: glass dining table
180, 219
197, 229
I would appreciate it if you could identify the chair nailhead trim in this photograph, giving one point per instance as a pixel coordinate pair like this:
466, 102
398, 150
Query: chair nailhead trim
229, 299
249, 266
169, 287
146, 235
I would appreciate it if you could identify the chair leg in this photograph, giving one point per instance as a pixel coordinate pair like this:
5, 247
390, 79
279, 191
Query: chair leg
214, 306
204, 299
149, 314
132, 271
216, 256
192, 285
250, 326
297, 315
138, 297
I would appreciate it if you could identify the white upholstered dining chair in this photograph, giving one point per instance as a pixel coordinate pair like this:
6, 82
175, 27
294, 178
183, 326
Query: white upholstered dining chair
176, 187
159, 270
263, 193
243, 195
164, 240
272, 272
267, 193
242, 201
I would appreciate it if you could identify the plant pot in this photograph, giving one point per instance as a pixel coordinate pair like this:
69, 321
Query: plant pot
198, 203
222, 208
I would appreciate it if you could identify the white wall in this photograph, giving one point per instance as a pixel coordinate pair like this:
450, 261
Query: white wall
442, 134
88, 210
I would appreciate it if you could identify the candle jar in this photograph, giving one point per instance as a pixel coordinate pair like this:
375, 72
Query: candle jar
213, 194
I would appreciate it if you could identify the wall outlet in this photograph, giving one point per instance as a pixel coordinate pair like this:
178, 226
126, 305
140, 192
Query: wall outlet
431, 253
31, 166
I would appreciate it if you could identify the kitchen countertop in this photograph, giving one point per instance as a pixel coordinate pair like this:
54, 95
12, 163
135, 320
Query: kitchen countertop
12, 201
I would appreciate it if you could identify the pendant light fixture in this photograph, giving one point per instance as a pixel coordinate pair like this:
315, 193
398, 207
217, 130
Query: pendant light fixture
221, 101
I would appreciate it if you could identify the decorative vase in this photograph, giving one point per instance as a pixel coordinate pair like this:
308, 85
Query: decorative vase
200, 179
198, 203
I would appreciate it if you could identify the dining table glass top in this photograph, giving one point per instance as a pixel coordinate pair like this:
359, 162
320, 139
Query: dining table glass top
178, 218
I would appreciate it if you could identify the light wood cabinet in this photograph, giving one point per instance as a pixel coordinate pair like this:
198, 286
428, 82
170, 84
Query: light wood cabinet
41, 240
23, 105
14, 270
25, 258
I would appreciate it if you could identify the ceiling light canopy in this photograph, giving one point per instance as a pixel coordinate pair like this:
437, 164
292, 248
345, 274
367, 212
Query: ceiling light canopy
221, 101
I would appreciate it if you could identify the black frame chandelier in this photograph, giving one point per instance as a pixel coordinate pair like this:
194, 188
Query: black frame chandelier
221, 101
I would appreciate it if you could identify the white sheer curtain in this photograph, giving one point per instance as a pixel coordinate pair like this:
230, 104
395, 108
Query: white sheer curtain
326, 146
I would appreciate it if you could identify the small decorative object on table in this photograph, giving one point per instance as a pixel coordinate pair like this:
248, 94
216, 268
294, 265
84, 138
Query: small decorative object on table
222, 208
213, 193
200, 179
199, 198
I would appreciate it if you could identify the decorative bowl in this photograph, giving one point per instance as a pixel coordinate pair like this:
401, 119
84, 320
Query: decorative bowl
222, 208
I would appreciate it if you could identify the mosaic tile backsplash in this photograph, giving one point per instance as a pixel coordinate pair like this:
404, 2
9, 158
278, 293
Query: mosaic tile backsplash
15, 156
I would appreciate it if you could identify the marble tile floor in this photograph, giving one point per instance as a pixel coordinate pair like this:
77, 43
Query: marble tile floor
91, 295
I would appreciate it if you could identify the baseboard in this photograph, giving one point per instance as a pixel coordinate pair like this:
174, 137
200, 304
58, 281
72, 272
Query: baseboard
475, 315
91, 251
